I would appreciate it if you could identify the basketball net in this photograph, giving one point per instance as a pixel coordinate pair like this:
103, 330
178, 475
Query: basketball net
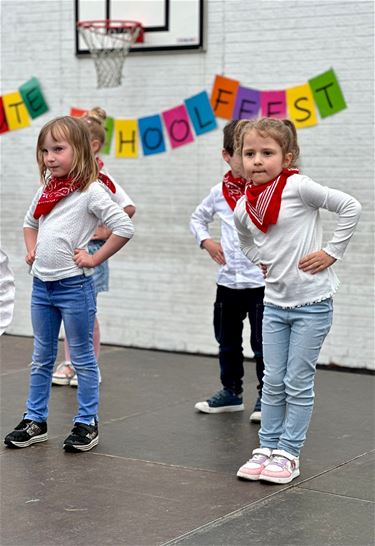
109, 42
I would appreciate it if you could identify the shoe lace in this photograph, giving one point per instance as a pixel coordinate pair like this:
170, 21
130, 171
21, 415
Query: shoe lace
221, 395
218, 396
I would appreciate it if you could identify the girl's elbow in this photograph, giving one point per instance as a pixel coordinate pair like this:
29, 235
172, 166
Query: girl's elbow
130, 210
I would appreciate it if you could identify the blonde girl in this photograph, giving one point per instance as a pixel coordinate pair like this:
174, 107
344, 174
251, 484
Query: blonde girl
95, 118
57, 228
280, 229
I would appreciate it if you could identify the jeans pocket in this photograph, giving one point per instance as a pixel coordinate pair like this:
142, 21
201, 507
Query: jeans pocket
71, 282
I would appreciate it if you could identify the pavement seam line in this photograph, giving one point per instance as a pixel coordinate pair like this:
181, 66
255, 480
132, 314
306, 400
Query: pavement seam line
252, 506
170, 465
335, 467
337, 495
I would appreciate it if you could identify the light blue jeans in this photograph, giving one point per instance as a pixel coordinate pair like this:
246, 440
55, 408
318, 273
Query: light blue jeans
72, 301
292, 339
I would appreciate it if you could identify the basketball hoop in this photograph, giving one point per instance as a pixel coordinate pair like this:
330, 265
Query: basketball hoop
109, 42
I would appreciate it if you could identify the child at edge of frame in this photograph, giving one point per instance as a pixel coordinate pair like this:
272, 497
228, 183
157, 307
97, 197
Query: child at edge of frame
64, 373
280, 229
58, 225
240, 286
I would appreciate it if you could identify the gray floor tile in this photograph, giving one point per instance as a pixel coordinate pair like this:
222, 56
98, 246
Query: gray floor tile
162, 470
355, 479
54, 498
293, 518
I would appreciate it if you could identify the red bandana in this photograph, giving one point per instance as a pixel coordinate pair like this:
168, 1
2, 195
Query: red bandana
105, 178
263, 201
55, 190
233, 189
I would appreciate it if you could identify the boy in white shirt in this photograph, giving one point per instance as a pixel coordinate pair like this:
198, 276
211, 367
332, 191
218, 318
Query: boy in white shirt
240, 286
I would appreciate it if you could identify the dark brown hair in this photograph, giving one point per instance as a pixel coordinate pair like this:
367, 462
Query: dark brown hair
228, 133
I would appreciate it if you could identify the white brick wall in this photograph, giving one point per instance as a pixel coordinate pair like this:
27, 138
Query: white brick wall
162, 285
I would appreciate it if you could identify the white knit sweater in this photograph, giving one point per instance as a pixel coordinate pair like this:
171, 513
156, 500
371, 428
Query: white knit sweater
70, 225
298, 232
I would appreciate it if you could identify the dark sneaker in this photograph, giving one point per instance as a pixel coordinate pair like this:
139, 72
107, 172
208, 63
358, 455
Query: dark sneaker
256, 415
83, 437
221, 402
26, 433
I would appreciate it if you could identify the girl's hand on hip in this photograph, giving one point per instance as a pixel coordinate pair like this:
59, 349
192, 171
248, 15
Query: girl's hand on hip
316, 262
83, 258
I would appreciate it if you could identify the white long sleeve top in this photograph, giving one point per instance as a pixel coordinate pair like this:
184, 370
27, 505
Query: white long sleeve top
238, 272
120, 197
70, 225
298, 232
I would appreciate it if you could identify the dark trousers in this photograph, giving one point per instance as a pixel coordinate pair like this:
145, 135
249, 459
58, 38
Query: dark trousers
230, 310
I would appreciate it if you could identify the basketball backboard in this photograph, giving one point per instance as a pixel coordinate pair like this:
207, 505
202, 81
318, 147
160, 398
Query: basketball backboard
169, 25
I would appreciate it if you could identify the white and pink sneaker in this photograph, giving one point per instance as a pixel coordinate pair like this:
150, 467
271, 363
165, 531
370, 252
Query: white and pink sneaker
63, 373
255, 466
282, 468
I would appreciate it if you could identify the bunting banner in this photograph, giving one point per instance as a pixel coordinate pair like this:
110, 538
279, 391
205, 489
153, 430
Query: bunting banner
196, 115
18, 107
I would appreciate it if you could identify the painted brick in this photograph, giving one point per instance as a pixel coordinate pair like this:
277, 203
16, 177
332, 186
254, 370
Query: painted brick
162, 285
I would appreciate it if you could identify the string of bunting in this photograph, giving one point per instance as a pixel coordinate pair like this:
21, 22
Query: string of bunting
229, 100
197, 114
18, 107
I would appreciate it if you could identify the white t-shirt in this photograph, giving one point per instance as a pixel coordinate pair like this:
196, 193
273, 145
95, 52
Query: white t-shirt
70, 225
298, 232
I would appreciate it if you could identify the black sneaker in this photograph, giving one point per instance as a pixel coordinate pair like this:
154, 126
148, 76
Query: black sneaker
26, 433
83, 437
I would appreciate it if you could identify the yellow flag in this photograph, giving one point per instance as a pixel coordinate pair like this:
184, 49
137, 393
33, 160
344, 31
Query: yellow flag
15, 111
301, 106
126, 138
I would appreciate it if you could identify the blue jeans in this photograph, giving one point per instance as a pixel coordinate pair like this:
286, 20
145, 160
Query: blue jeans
72, 301
292, 339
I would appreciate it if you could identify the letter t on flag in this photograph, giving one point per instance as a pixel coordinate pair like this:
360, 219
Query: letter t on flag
327, 94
